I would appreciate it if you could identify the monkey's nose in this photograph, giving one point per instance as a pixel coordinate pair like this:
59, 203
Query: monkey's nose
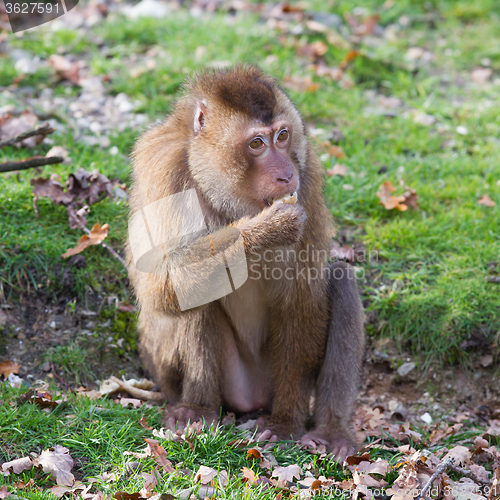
285, 180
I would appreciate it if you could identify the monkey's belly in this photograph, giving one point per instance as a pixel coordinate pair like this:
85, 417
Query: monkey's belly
246, 373
246, 384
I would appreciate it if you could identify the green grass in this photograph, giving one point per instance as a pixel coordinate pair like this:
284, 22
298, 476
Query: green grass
98, 433
427, 287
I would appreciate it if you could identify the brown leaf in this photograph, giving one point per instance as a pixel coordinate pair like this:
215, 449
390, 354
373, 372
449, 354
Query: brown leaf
134, 402
254, 453
337, 152
486, 201
314, 50
249, 476
300, 83
123, 495
13, 126
205, 474
22, 485
89, 186
334, 73
51, 189
18, 465
4, 493
96, 236
390, 202
337, 169
411, 199
76, 219
58, 462
157, 451
8, 367
144, 423
66, 69
287, 473
460, 453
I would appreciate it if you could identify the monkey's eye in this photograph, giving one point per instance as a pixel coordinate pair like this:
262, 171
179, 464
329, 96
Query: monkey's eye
283, 135
256, 143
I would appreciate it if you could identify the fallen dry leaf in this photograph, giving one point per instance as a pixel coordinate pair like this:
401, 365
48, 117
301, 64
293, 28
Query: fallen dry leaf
52, 189
460, 453
300, 83
287, 473
337, 169
58, 462
66, 69
254, 453
314, 50
390, 202
8, 367
126, 402
336, 152
12, 126
123, 495
411, 199
159, 453
96, 236
18, 465
4, 493
486, 201
144, 423
249, 476
205, 474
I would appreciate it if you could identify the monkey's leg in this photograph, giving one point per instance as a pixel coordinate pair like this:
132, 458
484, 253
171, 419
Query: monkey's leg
337, 384
297, 342
189, 346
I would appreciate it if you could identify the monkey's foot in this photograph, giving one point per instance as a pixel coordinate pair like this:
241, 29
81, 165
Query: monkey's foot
272, 432
178, 417
340, 445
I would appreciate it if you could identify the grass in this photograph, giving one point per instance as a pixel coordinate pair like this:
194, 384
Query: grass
426, 286
98, 433
426, 289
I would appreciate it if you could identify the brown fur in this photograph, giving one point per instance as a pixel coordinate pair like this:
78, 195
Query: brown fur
305, 334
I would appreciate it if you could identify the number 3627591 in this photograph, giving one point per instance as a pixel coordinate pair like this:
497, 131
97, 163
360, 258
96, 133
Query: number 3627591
31, 8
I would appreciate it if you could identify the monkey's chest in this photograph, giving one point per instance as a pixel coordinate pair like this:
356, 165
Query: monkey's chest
246, 377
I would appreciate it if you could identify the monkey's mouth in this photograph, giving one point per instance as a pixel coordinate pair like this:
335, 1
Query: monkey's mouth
288, 199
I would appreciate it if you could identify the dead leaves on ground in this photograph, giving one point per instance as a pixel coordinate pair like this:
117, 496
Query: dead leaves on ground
401, 203
95, 237
55, 461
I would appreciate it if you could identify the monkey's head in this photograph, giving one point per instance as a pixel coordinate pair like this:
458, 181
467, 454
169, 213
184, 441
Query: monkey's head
248, 140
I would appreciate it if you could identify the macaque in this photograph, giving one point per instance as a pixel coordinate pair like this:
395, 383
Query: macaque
291, 325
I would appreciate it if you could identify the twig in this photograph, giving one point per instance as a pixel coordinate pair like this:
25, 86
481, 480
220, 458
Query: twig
36, 161
138, 393
469, 474
441, 468
111, 250
43, 129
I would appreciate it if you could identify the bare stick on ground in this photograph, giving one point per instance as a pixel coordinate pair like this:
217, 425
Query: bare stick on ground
36, 161
440, 469
138, 393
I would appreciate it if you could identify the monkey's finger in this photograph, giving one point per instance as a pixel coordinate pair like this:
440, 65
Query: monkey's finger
265, 435
271, 442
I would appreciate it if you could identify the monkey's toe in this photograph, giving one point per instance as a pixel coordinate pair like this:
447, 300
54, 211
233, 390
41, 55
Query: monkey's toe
340, 446
179, 417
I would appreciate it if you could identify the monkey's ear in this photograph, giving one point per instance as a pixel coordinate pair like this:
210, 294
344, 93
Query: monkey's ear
200, 114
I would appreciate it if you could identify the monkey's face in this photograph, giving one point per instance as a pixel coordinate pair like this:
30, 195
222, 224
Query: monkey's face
242, 165
271, 172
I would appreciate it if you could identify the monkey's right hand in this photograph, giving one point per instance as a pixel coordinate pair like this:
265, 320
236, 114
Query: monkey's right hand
278, 225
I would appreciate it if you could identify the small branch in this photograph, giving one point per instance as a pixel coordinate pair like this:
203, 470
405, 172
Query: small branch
43, 129
469, 474
441, 468
111, 250
139, 393
36, 161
